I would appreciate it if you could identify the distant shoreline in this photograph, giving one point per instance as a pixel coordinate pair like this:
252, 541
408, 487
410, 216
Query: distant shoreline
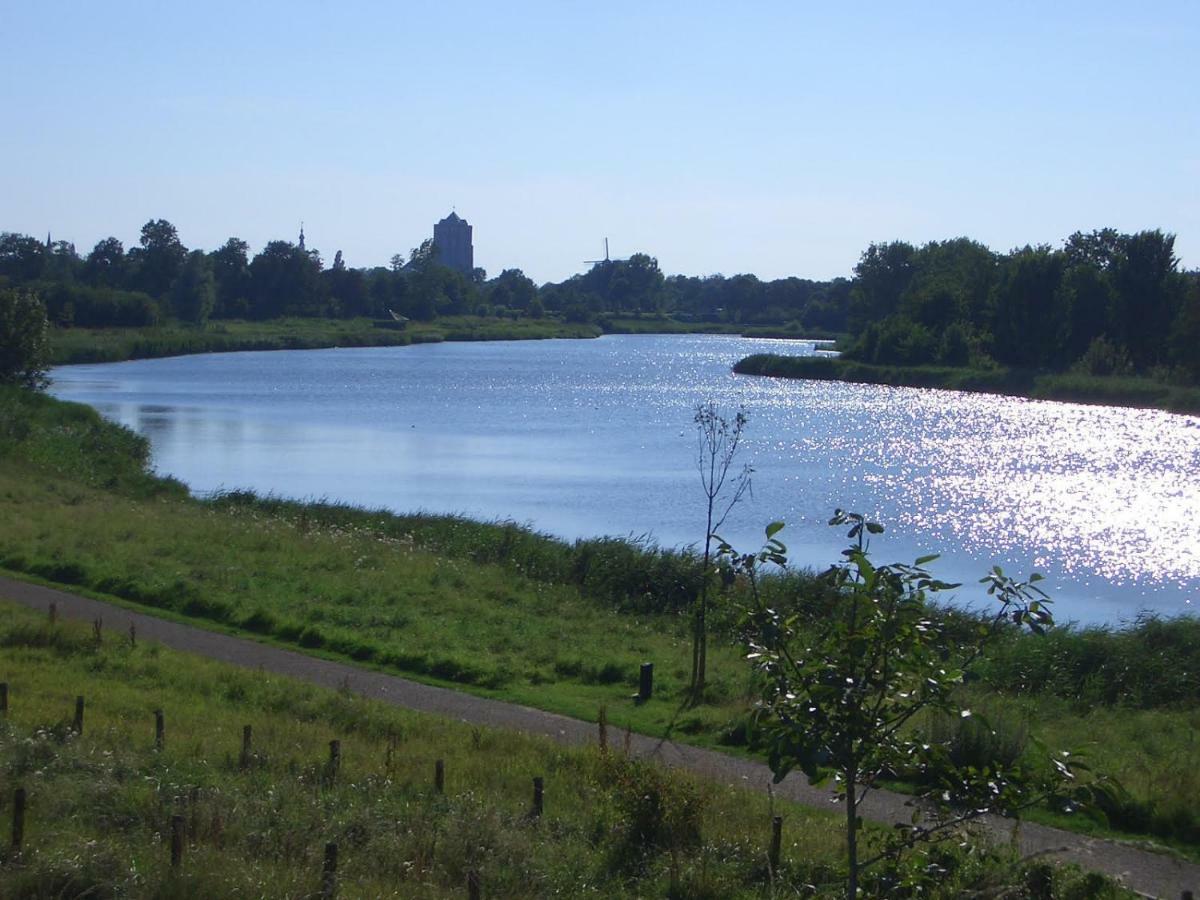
1139, 393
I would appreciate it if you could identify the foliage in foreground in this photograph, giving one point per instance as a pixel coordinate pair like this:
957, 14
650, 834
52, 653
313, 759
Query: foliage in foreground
841, 698
24, 350
100, 803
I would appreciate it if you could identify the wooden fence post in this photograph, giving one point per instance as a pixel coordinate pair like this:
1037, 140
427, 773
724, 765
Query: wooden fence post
473, 887
335, 758
329, 872
78, 715
53, 612
602, 721
776, 843
159, 729
538, 786
645, 683
132, 634
439, 776
98, 630
247, 736
18, 823
4, 699
176, 841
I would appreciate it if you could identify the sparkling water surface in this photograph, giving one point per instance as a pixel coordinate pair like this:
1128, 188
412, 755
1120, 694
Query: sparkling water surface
584, 438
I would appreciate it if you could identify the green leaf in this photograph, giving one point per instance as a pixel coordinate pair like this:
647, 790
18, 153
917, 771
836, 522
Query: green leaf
874, 528
773, 529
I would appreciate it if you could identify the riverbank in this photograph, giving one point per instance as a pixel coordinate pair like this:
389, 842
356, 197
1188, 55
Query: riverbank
504, 612
1141, 393
93, 345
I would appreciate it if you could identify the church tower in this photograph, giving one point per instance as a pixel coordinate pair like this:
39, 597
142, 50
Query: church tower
452, 237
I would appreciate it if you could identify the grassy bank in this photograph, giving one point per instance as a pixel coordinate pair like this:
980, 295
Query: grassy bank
99, 804
1135, 392
84, 345
501, 611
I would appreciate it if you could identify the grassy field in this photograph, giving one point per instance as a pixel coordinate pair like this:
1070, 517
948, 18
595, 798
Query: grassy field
99, 804
86, 345
502, 612
1136, 392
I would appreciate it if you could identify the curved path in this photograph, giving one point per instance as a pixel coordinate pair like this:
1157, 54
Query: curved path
1152, 874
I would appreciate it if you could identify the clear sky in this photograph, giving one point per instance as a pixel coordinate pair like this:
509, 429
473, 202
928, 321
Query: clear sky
778, 138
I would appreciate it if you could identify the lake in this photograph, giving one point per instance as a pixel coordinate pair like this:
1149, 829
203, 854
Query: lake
594, 437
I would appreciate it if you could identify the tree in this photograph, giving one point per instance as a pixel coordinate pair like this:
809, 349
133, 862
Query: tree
231, 275
842, 686
105, 265
21, 257
193, 294
24, 342
159, 258
719, 436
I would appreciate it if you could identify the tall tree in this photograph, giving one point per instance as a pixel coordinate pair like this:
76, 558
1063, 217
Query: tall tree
106, 265
21, 257
24, 344
193, 294
159, 258
231, 275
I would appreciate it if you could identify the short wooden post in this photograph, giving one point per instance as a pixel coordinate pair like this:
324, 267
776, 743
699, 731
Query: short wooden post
18, 825
538, 786
132, 634
247, 736
646, 683
329, 872
78, 715
474, 891
335, 758
439, 776
602, 721
4, 699
159, 729
98, 629
176, 841
776, 843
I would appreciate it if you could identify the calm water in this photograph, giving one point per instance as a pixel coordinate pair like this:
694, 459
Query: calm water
581, 438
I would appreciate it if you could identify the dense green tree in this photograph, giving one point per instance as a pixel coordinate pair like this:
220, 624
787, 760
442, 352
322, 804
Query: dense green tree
231, 277
285, 280
1030, 322
106, 265
194, 294
1148, 294
881, 277
159, 258
21, 257
24, 344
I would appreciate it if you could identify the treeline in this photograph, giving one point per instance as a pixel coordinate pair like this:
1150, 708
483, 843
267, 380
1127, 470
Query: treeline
1105, 303
161, 278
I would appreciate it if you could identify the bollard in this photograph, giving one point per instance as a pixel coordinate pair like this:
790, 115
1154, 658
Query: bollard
473, 888
538, 785
645, 683
3, 699
776, 843
78, 715
244, 761
18, 825
439, 776
159, 729
176, 841
329, 872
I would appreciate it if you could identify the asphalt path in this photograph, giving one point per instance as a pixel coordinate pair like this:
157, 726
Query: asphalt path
1149, 873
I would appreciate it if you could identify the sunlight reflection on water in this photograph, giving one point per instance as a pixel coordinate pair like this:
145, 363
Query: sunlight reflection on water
594, 437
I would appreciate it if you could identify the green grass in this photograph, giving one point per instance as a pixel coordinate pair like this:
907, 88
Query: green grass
88, 345
99, 804
503, 612
1135, 392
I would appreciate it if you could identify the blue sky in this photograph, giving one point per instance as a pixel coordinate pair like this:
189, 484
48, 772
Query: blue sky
773, 138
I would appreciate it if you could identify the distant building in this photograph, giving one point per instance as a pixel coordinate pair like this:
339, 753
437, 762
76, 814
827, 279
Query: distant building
452, 237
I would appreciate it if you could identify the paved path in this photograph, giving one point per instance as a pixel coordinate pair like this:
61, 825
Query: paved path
1152, 874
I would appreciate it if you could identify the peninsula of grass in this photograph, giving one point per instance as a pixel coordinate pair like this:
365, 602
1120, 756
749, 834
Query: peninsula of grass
498, 610
91, 345
1144, 393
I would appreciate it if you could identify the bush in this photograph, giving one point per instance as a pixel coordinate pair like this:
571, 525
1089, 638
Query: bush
24, 345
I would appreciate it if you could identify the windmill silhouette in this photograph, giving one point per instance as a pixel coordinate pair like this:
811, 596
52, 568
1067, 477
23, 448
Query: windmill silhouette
596, 262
